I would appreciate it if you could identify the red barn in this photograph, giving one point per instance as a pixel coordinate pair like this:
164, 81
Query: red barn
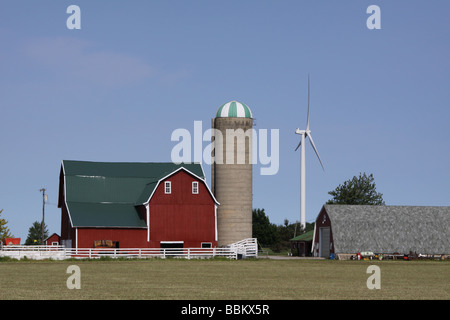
53, 240
136, 205
12, 241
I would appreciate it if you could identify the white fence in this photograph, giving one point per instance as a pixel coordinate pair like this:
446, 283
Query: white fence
33, 252
246, 247
188, 253
240, 250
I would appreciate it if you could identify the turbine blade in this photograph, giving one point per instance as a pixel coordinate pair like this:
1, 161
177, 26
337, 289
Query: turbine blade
298, 145
315, 149
307, 119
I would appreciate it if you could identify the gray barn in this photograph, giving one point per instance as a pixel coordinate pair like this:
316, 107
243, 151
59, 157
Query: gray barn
349, 229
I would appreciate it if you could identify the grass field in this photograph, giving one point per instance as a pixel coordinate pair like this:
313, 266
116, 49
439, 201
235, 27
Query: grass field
248, 279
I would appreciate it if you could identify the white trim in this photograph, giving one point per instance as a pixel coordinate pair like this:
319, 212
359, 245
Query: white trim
314, 239
201, 167
147, 209
65, 193
172, 242
110, 227
172, 173
195, 190
76, 238
168, 185
215, 223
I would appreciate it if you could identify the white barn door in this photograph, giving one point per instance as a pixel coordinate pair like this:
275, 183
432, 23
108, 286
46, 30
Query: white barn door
324, 240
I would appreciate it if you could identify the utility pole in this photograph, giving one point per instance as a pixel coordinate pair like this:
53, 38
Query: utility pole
43, 214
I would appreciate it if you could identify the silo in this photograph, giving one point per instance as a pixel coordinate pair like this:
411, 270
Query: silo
231, 176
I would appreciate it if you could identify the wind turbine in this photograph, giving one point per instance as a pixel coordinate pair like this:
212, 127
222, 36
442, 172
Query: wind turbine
304, 134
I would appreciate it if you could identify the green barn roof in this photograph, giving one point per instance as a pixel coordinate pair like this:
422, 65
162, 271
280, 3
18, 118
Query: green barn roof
106, 194
307, 236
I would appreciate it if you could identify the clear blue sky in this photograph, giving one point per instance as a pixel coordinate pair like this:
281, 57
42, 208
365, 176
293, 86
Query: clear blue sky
137, 70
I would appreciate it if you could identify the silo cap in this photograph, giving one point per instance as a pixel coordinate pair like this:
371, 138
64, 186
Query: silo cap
234, 109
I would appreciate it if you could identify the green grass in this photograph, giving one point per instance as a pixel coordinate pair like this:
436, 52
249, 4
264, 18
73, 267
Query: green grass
255, 279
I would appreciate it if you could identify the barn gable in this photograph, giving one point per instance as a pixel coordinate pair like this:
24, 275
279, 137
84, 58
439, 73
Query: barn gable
103, 194
387, 229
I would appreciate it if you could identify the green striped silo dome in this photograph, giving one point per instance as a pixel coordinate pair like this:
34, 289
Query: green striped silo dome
234, 109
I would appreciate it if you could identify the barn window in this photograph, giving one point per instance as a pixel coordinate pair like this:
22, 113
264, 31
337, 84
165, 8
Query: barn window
167, 187
195, 187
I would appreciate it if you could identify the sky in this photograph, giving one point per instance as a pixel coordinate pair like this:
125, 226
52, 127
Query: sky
117, 88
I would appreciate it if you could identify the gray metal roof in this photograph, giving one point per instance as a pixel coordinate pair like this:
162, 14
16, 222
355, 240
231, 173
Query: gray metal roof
389, 229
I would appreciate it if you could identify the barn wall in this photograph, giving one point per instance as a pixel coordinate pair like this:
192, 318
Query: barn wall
322, 221
182, 191
182, 215
67, 232
127, 238
178, 222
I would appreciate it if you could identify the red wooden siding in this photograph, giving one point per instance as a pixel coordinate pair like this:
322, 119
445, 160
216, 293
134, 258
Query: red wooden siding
181, 215
53, 238
127, 238
67, 232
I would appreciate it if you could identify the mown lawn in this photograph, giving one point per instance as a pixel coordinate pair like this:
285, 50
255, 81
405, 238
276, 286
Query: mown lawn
248, 279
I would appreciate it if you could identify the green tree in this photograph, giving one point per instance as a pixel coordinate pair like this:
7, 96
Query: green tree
35, 234
4, 230
262, 229
358, 190
287, 231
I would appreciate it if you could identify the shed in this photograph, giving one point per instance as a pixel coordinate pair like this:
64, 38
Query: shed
53, 240
301, 245
349, 229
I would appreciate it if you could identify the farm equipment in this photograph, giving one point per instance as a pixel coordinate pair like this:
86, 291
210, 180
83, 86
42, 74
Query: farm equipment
367, 255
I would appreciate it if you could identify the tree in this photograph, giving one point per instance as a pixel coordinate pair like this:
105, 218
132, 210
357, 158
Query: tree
358, 190
287, 231
4, 230
276, 237
35, 234
262, 229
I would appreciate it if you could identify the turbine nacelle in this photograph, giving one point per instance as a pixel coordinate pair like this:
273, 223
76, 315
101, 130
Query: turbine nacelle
307, 132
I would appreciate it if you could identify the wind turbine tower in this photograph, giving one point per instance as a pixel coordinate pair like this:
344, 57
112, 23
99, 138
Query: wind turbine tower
305, 134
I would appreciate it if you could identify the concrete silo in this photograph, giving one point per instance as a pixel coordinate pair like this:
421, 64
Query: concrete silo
231, 171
